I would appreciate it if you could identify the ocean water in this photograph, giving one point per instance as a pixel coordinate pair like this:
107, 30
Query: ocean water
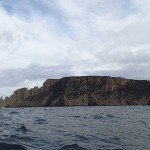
75, 128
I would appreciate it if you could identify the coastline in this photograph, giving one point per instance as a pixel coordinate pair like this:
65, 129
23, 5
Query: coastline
82, 91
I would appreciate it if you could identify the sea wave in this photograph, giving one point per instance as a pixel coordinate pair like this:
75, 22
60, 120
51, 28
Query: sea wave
72, 147
75, 128
6, 146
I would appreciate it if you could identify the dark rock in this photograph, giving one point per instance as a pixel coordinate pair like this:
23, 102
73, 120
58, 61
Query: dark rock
82, 91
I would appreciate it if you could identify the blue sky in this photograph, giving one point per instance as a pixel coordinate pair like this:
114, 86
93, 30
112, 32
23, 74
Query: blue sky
42, 39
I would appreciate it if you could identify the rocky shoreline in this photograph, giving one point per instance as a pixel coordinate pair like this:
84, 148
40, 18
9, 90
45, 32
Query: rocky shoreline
82, 91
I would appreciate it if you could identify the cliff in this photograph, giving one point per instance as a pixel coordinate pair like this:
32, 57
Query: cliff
82, 91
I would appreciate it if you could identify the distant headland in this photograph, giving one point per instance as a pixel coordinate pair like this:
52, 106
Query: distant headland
82, 91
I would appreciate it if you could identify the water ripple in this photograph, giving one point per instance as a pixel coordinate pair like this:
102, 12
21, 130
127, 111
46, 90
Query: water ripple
70, 128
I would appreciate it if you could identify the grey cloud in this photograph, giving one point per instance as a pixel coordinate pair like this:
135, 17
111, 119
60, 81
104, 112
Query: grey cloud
123, 56
12, 77
8, 36
130, 71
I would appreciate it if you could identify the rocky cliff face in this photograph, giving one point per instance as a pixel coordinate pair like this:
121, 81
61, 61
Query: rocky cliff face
82, 91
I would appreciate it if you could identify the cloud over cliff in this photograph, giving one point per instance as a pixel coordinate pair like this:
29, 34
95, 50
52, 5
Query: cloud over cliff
52, 38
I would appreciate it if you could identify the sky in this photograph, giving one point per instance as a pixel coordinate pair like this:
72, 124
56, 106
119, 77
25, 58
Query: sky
42, 39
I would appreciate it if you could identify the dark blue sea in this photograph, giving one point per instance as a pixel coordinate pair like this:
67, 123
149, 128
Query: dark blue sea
75, 128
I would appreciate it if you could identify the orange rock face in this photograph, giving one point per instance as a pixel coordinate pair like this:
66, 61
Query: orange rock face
82, 91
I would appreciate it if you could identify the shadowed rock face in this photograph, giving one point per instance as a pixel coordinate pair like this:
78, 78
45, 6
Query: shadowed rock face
82, 91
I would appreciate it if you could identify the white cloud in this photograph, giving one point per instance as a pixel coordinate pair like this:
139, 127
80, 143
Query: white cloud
98, 37
30, 41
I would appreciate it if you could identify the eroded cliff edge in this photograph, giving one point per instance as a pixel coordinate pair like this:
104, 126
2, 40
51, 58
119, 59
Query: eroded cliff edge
82, 91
